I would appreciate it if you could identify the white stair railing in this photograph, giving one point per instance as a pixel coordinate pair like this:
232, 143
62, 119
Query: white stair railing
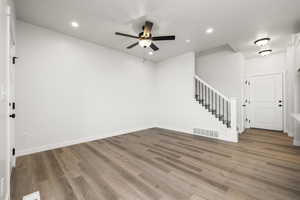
222, 107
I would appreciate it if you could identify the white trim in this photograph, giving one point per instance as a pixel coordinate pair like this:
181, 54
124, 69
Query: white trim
290, 134
212, 88
264, 74
227, 136
7, 196
8, 139
73, 142
296, 142
296, 116
233, 111
284, 95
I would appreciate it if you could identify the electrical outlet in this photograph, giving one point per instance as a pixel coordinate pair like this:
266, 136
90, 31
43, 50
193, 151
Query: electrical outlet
1, 187
32, 196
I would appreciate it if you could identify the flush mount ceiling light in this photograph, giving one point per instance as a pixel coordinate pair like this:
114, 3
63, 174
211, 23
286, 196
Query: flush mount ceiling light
74, 24
209, 31
262, 41
187, 41
265, 52
150, 53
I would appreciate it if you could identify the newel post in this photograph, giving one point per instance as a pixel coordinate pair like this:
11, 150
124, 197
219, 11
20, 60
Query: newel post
233, 112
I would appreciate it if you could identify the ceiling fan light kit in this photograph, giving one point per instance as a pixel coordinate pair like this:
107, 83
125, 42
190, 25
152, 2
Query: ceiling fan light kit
145, 38
145, 43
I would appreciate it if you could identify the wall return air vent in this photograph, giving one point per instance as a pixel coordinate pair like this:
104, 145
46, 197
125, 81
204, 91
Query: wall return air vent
206, 133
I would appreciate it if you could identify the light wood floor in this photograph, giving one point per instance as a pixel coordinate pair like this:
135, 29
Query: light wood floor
160, 164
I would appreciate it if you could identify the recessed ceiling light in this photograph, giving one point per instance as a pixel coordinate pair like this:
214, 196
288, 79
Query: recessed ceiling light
74, 24
187, 41
265, 52
209, 31
262, 41
150, 53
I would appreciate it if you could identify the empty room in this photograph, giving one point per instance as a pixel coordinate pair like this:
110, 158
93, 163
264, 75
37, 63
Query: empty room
149, 100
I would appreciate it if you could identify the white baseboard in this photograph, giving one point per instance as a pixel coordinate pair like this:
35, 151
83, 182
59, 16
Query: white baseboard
73, 142
296, 142
7, 196
290, 134
224, 136
98, 137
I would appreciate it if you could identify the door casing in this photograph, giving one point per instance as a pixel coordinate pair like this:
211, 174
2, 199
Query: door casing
246, 97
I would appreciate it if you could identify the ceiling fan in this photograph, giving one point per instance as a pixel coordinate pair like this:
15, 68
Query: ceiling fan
145, 38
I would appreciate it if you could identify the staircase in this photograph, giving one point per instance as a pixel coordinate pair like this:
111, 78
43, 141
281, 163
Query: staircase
220, 106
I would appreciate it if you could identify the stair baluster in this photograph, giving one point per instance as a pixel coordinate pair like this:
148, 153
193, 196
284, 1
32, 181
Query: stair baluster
203, 94
196, 89
216, 103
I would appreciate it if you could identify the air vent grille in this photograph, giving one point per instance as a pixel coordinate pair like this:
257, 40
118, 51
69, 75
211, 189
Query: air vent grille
206, 133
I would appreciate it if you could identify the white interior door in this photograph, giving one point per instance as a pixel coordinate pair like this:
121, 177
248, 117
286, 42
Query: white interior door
266, 102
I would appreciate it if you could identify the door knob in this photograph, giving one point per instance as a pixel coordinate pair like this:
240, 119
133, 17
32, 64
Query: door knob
12, 115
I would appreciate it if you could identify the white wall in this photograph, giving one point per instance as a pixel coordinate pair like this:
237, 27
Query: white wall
273, 63
178, 109
224, 71
69, 90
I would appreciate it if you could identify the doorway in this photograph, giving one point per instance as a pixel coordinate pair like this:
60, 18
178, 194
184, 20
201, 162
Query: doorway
265, 102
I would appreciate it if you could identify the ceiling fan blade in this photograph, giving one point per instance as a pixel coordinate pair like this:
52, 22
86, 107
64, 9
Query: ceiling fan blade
126, 35
154, 47
133, 45
169, 37
147, 29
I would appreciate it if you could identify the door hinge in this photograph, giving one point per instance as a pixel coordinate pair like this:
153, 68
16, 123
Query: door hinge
13, 105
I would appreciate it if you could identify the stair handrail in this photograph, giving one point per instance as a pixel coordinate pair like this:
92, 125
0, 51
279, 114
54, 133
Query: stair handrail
212, 88
232, 101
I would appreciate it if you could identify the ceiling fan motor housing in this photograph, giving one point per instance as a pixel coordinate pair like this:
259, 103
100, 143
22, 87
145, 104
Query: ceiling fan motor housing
142, 36
145, 38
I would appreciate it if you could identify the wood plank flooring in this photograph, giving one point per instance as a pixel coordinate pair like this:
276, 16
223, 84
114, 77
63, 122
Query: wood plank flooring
157, 164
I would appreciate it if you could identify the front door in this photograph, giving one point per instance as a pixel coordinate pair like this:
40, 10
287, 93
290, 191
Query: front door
266, 102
